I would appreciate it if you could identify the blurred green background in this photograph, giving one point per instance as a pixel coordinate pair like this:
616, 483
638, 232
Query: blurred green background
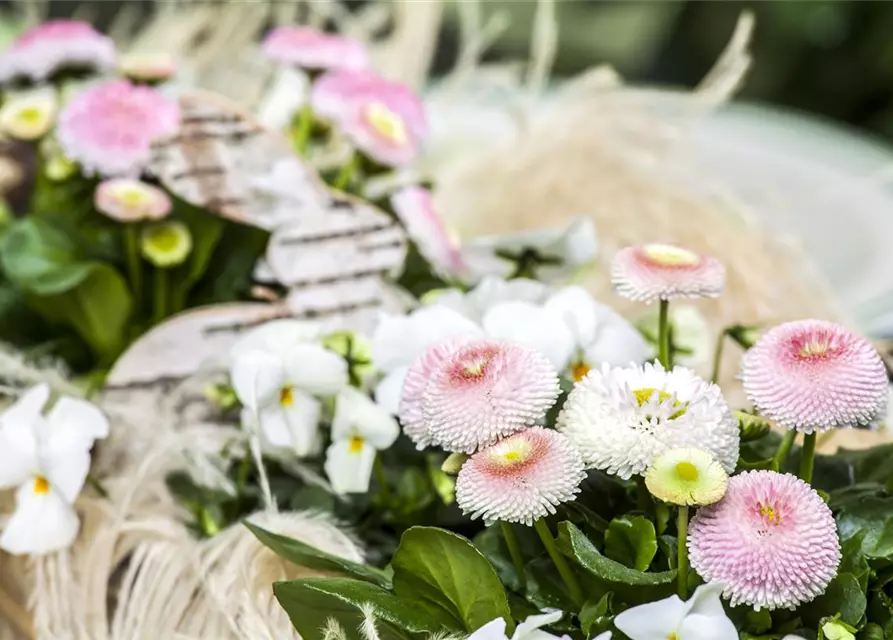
833, 58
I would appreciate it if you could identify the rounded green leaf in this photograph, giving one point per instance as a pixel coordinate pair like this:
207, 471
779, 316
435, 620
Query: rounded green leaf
632, 541
39, 258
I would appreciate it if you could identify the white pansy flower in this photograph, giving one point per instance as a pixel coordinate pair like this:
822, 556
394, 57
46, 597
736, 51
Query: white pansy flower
277, 371
527, 630
701, 617
550, 254
359, 430
48, 459
400, 339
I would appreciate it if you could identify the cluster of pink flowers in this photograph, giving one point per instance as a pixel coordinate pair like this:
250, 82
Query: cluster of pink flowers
484, 397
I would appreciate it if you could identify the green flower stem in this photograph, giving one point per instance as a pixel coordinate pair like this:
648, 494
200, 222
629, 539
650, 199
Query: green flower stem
378, 469
567, 574
717, 356
134, 261
342, 180
807, 457
682, 552
643, 496
160, 295
511, 542
784, 449
304, 128
663, 335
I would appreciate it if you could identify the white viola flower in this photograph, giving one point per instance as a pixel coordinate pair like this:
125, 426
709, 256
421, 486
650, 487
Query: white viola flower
530, 629
360, 428
48, 459
277, 371
548, 254
400, 339
701, 617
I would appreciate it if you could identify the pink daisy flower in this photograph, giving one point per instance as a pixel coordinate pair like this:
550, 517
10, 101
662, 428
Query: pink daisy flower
54, 46
485, 390
415, 209
385, 120
813, 375
521, 478
651, 272
771, 539
109, 128
309, 48
128, 200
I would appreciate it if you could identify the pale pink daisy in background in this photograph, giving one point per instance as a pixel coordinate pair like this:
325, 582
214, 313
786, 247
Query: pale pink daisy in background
485, 390
109, 128
54, 46
771, 539
148, 67
414, 207
29, 116
522, 478
128, 200
383, 119
652, 272
813, 375
414, 385
310, 48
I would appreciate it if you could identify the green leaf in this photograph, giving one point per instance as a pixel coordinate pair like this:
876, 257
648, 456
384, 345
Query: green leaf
872, 518
206, 230
595, 615
310, 603
304, 555
573, 544
442, 568
40, 258
632, 541
844, 595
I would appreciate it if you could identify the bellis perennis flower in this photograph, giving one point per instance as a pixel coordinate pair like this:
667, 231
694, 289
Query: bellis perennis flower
622, 419
383, 119
686, 476
701, 617
48, 459
771, 539
129, 200
309, 48
527, 630
56, 45
360, 428
166, 244
437, 244
652, 272
28, 116
812, 375
109, 128
277, 372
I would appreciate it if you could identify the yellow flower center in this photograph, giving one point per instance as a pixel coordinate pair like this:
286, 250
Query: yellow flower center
673, 636
475, 367
286, 396
356, 444
387, 123
131, 197
645, 394
687, 472
669, 256
165, 239
30, 115
515, 452
41, 485
814, 349
768, 512
579, 371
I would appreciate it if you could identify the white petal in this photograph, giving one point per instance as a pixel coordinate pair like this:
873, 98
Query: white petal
390, 390
67, 471
295, 427
276, 337
617, 342
524, 630
28, 406
399, 340
604, 636
493, 630
534, 326
349, 470
41, 523
577, 308
74, 423
652, 621
316, 370
579, 242
19, 425
493, 291
705, 600
257, 378
357, 415
702, 627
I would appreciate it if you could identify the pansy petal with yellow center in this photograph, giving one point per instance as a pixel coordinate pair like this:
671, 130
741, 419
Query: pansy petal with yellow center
44, 521
28, 116
292, 423
686, 476
701, 617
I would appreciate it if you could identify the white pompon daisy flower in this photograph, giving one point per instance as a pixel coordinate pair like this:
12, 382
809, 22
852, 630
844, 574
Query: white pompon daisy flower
622, 419
521, 478
48, 459
360, 428
687, 476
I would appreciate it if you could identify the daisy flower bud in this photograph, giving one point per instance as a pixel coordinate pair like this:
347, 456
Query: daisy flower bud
485, 390
166, 244
772, 540
623, 418
129, 200
652, 272
812, 375
522, 478
686, 476
29, 116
